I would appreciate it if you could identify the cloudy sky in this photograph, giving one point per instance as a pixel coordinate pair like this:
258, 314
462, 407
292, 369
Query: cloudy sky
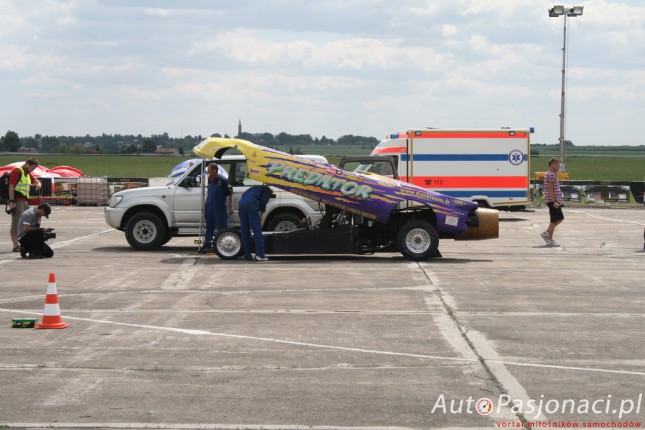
325, 67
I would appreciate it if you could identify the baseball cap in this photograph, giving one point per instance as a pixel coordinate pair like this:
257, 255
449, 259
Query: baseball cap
46, 208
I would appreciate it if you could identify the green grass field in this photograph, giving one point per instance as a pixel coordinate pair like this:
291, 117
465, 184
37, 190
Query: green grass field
598, 167
602, 167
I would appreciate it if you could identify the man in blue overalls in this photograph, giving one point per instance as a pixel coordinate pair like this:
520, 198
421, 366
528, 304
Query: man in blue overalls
215, 211
253, 204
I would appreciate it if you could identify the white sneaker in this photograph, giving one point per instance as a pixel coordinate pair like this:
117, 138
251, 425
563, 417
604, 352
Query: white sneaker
545, 236
258, 258
552, 244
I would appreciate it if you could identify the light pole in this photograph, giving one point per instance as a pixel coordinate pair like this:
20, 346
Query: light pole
572, 12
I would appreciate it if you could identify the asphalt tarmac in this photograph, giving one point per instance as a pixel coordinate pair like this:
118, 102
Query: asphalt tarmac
504, 333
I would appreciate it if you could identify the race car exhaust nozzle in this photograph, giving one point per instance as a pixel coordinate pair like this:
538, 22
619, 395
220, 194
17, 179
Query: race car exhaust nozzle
486, 226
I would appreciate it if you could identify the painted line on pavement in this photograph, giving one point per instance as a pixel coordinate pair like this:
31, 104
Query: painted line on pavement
172, 426
331, 347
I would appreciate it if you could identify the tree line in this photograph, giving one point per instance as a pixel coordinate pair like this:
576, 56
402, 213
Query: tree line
139, 144
571, 148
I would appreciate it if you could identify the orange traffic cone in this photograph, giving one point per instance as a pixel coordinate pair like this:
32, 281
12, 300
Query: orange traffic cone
51, 315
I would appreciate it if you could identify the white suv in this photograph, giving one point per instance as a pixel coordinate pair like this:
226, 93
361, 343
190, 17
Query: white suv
151, 216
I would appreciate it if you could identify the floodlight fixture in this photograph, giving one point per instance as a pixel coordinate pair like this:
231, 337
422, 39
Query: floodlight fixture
556, 11
575, 11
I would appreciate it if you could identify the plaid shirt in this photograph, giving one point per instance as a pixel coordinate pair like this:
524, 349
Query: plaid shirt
551, 177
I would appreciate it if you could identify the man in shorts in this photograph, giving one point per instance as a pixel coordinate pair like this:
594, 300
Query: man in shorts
553, 195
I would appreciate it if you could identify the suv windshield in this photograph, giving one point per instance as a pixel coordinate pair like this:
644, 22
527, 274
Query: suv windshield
233, 170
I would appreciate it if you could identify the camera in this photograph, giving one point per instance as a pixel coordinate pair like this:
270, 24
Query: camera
10, 211
49, 233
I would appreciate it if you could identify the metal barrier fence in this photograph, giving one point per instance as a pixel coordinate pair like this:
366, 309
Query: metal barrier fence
97, 191
595, 191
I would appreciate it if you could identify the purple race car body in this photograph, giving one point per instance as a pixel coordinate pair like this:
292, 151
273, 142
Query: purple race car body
364, 212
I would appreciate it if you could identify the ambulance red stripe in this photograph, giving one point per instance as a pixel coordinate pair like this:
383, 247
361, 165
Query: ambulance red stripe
471, 182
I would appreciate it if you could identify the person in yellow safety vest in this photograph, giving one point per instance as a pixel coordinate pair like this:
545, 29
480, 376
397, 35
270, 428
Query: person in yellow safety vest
19, 182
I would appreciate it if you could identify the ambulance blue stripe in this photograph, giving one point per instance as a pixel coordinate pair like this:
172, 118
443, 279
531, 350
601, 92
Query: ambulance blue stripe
488, 193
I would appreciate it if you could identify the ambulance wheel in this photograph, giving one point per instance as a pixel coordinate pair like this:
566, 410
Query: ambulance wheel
417, 240
228, 244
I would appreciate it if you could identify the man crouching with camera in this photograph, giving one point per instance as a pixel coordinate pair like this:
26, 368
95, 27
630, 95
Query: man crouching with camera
31, 237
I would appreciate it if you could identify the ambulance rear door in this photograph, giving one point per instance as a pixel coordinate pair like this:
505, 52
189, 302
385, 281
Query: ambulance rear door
487, 166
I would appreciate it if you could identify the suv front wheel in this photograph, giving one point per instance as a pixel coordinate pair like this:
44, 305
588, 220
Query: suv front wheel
286, 221
145, 231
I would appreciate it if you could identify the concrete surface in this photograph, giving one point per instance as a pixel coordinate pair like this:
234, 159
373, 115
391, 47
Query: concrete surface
174, 340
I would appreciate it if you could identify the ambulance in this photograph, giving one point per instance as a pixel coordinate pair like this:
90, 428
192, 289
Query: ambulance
488, 166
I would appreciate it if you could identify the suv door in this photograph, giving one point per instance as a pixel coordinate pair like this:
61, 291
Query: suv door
187, 201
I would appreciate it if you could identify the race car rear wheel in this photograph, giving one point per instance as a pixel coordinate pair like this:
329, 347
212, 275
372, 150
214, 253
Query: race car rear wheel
417, 240
228, 244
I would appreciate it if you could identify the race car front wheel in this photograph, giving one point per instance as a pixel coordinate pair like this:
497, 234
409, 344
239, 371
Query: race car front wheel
228, 244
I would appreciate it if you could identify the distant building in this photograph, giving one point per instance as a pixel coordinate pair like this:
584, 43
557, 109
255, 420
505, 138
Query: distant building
239, 128
167, 151
23, 149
